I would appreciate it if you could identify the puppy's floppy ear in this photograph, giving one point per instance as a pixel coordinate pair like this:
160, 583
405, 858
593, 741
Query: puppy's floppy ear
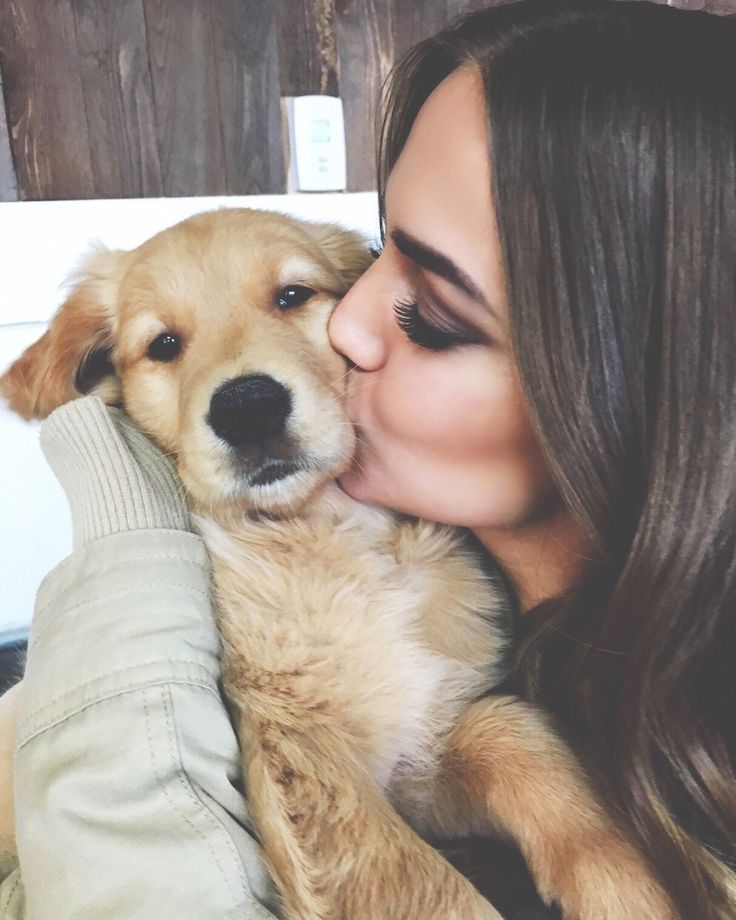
347, 250
75, 355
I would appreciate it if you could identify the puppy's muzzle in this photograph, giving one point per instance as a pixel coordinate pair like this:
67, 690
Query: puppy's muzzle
248, 411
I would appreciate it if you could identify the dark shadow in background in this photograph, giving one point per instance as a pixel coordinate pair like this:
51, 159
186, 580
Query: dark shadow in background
12, 659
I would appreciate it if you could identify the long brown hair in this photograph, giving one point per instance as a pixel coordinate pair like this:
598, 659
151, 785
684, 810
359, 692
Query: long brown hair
612, 138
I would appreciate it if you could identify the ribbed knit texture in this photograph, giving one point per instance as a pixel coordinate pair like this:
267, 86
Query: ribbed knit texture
114, 477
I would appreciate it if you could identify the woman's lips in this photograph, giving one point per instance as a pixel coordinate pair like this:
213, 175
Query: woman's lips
358, 412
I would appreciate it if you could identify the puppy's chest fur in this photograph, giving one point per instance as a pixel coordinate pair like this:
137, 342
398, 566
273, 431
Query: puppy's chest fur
383, 628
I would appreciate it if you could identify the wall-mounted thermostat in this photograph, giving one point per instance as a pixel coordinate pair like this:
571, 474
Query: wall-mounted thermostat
316, 144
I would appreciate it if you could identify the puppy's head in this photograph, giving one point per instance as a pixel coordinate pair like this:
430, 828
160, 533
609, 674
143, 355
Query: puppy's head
213, 336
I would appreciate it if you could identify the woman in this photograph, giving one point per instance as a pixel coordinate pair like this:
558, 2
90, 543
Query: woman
543, 352
573, 400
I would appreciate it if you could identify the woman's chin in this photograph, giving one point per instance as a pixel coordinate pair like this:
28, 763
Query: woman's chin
350, 484
354, 483
356, 487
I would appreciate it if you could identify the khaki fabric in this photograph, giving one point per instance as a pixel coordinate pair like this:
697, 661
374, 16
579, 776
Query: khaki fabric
126, 764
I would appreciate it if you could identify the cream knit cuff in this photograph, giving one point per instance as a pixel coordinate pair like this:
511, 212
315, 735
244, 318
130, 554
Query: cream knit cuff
114, 477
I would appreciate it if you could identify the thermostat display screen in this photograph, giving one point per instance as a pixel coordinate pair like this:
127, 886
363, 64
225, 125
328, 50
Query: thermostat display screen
320, 131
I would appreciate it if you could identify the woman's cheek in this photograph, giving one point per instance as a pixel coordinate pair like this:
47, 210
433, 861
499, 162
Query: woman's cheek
473, 408
426, 396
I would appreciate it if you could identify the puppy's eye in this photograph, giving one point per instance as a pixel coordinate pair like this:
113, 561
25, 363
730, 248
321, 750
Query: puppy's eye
294, 296
164, 347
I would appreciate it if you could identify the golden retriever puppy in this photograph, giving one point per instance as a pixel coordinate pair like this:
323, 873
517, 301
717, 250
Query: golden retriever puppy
358, 644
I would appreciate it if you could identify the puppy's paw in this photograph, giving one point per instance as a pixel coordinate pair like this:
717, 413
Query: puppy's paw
604, 878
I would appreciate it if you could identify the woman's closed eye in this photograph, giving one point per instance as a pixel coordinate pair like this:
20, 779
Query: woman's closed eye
426, 334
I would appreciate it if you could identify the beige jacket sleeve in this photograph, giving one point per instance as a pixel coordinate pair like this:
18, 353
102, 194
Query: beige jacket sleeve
126, 765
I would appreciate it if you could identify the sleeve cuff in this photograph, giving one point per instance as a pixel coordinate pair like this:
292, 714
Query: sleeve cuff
115, 478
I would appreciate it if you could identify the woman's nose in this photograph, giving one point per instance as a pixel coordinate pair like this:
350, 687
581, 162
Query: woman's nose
355, 327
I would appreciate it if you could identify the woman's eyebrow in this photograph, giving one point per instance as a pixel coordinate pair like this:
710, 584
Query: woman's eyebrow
435, 262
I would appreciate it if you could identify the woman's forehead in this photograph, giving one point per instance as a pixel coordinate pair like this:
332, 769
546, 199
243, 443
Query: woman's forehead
445, 160
439, 189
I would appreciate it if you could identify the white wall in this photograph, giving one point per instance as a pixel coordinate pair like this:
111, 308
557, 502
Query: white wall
41, 243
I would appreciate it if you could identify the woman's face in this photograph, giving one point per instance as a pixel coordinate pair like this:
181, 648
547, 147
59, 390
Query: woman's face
443, 429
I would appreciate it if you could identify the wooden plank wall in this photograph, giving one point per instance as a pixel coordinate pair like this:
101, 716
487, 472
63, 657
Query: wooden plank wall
8, 187
136, 98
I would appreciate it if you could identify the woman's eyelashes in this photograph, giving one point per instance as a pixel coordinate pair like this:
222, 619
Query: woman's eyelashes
425, 334
418, 328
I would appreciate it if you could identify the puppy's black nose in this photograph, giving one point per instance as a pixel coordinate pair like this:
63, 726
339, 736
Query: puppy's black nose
247, 410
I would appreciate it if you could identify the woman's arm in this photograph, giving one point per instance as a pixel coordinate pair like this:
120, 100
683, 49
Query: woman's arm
126, 764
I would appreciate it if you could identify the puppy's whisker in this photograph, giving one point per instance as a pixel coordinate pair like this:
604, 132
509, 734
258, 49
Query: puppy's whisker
359, 466
342, 377
365, 383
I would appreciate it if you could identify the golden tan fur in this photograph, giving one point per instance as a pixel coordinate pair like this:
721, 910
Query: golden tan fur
357, 644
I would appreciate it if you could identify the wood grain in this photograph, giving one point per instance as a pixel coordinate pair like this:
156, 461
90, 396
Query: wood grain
460, 7
307, 47
364, 56
8, 185
45, 101
371, 36
182, 56
247, 72
118, 98
413, 22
